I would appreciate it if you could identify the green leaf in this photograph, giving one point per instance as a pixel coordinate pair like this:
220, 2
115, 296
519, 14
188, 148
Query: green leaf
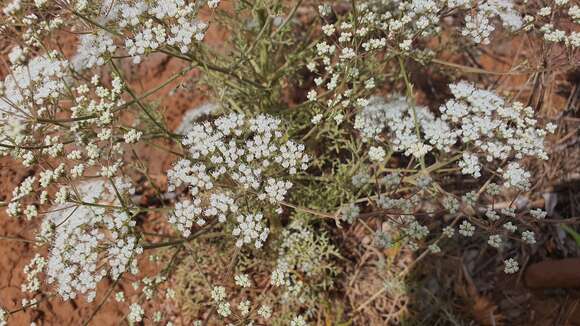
575, 235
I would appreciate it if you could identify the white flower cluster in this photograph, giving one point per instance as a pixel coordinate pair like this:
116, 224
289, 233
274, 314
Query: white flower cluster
466, 229
89, 242
554, 28
298, 321
279, 276
27, 88
70, 144
487, 127
92, 50
515, 176
381, 25
143, 26
251, 311
511, 266
242, 280
349, 213
376, 154
336, 67
35, 91
424, 18
33, 24
478, 24
250, 229
493, 130
245, 153
414, 230
397, 118
136, 313
219, 296
32, 272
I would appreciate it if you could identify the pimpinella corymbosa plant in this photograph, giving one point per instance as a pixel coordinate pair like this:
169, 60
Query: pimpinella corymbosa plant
317, 126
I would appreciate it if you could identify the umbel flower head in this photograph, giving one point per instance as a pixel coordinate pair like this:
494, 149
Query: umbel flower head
234, 166
142, 27
477, 122
31, 85
88, 242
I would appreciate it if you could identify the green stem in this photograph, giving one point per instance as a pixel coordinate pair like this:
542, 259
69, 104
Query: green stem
141, 106
180, 241
410, 96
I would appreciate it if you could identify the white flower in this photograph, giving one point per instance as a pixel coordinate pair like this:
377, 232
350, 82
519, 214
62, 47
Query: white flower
328, 29
30, 212
242, 150
419, 150
109, 171
494, 129
448, 231
396, 119
416, 231
244, 307
466, 229
243, 280
17, 55
545, 11
278, 277
510, 227
470, 165
265, 312
136, 313
517, 177
434, 248
251, 229
218, 293
40, 3
157, 316
83, 232
224, 309
316, 119
3, 317
298, 321
511, 266
213, 3
350, 212
93, 50
529, 237
495, 241
132, 136
31, 85
12, 7
538, 214
492, 215
574, 12
478, 27
406, 45
377, 154
312, 95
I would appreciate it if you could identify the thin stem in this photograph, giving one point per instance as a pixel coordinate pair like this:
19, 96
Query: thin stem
107, 295
140, 98
411, 97
141, 106
11, 238
176, 242
287, 20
